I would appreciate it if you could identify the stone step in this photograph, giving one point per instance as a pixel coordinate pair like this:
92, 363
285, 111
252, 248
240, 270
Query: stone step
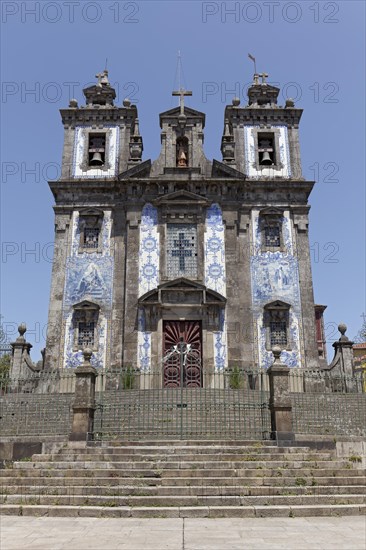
177, 490
35, 476
165, 464
180, 501
118, 470
186, 512
176, 443
121, 457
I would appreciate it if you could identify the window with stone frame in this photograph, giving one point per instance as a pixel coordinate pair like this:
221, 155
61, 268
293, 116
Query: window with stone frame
271, 229
181, 250
276, 323
90, 227
85, 322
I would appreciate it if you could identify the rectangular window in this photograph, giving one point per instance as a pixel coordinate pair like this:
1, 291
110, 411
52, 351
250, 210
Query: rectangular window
86, 335
91, 238
272, 235
278, 333
182, 250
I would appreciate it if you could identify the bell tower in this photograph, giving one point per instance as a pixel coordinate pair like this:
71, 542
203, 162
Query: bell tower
182, 141
261, 142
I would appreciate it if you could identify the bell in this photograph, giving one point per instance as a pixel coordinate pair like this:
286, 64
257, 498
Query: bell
266, 159
96, 159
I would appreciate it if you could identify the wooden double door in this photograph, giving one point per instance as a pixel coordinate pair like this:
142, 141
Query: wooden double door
182, 352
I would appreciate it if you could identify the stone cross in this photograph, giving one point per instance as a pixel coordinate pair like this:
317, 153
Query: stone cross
102, 78
182, 93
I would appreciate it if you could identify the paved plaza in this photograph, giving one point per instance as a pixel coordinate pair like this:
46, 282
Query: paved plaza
317, 533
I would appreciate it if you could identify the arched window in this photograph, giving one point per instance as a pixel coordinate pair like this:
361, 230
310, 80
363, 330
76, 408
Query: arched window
182, 160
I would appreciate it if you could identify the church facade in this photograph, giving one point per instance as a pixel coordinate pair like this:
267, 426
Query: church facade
212, 255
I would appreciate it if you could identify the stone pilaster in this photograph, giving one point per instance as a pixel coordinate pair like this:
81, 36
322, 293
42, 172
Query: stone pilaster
54, 345
117, 320
310, 356
84, 402
280, 400
238, 317
131, 290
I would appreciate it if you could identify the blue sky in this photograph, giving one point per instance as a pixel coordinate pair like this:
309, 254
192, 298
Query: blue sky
313, 50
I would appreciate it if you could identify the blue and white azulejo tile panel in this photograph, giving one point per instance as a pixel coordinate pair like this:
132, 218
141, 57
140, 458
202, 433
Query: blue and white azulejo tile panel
275, 276
149, 252
144, 344
215, 268
220, 345
88, 279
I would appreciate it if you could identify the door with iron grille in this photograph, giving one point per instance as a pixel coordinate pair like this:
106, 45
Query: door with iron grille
182, 352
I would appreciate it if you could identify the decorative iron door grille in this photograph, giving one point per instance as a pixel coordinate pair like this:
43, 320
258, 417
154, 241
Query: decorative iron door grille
182, 352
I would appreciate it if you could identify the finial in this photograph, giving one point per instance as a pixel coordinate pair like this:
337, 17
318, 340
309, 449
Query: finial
227, 128
342, 327
276, 350
136, 132
102, 78
87, 353
263, 77
73, 104
236, 102
289, 103
126, 102
22, 329
256, 79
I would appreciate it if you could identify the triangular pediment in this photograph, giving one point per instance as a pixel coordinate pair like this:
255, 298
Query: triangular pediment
219, 169
188, 111
182, 285
271, 211
139, 171
181, 197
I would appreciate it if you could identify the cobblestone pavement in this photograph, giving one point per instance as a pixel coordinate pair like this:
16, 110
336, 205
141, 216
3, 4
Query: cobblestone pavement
318, 533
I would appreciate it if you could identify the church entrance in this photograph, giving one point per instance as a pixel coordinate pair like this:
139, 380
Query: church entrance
182, 352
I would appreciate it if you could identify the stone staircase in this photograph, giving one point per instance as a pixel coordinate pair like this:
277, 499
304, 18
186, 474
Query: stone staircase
188, 478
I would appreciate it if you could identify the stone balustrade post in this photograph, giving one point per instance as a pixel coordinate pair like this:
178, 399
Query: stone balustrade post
20, 348
84, 402
280, 400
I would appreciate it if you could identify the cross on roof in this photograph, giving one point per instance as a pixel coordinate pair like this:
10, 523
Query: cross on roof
181, 93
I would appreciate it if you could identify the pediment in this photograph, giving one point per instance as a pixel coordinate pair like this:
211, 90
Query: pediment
182, 197
86, 304
277, 304
175, 112
219, 169
193, 292
139, 171
271, 211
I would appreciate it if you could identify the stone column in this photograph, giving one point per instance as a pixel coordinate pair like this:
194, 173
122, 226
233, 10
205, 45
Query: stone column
84, 402
342, 366
280, 400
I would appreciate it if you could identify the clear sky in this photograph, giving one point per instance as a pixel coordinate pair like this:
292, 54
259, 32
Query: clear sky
313, 50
